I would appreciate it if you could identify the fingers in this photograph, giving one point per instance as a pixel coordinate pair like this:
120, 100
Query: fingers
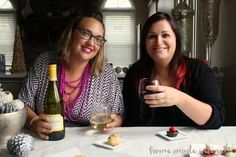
157, 103
157, 96
113, 123
42, 127
158, 99
157, 88
43, 136
43, 117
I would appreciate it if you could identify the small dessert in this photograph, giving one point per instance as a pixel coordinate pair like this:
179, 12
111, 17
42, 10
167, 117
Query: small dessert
80, 155
209, 151
234, 150
113, 140
172, 132
228, 150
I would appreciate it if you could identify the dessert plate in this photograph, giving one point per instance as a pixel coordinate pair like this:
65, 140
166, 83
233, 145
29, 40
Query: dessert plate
103, 143
197, 149
72, 152
181, 135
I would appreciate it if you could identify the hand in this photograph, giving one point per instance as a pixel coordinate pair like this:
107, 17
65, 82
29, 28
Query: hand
116, 122
42, 127
167, 96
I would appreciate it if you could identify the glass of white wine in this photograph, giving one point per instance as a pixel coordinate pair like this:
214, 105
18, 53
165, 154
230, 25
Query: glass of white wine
100, 117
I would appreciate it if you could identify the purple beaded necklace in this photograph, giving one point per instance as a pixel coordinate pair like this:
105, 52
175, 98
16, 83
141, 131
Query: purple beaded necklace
74, 87
82, 84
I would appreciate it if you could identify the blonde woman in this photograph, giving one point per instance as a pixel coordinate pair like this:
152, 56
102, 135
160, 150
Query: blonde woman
84, 78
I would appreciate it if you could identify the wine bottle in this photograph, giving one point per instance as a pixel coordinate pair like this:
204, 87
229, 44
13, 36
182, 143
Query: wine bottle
53, 106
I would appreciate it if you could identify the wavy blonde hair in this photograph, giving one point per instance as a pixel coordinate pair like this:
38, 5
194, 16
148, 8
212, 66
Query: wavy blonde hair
98, 62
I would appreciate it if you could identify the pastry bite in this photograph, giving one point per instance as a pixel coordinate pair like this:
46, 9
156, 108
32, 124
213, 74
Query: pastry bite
80, 155
208, 151
172, 132
113, 140
228, 151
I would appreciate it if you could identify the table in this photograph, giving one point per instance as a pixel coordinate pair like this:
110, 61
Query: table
141, 142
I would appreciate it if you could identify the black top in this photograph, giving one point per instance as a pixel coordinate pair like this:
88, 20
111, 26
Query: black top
201, 84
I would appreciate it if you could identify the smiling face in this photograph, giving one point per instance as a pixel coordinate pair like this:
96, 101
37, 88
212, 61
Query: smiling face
161, 42
83, 49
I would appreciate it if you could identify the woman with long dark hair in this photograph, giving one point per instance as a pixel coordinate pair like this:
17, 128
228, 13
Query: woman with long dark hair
188, 94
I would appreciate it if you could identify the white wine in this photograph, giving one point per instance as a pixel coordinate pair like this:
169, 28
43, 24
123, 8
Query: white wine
100, 121
53, 106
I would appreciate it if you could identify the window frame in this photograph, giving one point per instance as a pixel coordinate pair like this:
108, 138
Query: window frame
124, 11
9, 52
118, 9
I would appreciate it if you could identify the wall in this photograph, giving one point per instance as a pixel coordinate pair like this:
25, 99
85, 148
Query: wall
43, 27
41, 31
223, 56
12, 83
141, 10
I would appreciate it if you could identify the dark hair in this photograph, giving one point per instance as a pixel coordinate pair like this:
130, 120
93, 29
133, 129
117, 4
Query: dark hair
177, 64
98, 62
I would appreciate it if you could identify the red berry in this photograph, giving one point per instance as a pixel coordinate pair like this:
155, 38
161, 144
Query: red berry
212, 152
209, 152
234, 150
206, 152
172, 129
224, 153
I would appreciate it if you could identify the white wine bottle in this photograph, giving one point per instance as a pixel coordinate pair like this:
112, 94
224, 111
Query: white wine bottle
53, 106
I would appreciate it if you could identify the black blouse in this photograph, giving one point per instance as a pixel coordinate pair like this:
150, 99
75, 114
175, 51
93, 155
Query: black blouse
201, 84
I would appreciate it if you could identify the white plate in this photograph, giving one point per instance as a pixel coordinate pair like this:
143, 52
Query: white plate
72, 152
103, 143
196, 150
181, 135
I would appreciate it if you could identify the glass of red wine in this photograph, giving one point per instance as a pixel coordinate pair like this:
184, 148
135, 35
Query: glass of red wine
142, 87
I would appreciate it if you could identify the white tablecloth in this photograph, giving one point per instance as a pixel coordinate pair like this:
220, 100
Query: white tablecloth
140, 142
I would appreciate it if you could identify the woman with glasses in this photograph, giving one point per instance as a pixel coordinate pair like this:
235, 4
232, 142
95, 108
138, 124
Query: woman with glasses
84, 79
187, 94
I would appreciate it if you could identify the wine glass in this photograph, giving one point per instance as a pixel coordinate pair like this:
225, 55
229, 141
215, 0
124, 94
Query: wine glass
100, 117
142, 87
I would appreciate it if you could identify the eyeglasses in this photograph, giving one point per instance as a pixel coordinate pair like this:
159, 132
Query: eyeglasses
87, 35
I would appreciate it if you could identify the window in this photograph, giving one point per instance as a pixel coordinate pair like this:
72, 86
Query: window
153, 7
118, 4
119, 19
5, 4
7, 31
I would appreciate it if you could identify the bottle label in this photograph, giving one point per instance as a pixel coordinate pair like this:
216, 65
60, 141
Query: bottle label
56, 121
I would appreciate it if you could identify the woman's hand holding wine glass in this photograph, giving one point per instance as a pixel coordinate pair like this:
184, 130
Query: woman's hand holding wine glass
100, 117
156, 95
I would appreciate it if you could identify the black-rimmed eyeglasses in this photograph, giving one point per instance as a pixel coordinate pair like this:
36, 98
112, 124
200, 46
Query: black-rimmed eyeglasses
87, 35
